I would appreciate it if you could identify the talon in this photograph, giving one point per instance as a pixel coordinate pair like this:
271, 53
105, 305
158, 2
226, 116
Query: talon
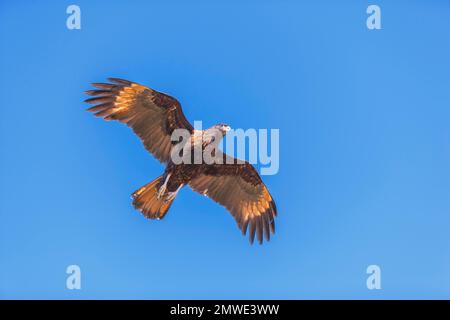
163, 188
161, 192
171, 195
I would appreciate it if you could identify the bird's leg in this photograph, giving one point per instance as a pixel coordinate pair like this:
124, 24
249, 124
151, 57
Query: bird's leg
163, 188
172, 195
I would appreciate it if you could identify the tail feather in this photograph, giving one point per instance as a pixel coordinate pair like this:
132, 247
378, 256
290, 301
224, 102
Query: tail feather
145, 199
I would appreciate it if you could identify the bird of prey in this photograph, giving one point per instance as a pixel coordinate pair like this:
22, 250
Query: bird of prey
154, 116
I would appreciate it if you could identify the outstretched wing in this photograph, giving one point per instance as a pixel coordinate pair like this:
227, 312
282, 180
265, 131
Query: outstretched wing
151, 114
239, 188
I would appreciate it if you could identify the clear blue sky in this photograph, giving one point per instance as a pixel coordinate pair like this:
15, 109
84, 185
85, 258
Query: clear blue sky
364, 161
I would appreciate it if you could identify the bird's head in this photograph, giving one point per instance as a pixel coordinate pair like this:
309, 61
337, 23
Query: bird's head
223, 128
215, 133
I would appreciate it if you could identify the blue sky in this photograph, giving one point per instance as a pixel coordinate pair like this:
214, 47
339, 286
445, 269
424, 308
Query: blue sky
364, 149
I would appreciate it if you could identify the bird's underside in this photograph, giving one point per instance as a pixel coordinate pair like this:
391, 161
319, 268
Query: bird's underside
154, 116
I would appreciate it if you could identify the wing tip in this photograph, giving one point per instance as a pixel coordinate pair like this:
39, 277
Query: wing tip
260, 227
120, 81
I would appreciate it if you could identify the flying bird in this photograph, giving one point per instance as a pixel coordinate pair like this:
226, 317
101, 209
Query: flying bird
154, 116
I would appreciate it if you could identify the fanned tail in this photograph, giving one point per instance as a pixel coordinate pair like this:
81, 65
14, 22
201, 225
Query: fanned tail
145, 199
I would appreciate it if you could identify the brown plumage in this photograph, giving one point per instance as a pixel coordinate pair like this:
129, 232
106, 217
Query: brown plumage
154, 116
